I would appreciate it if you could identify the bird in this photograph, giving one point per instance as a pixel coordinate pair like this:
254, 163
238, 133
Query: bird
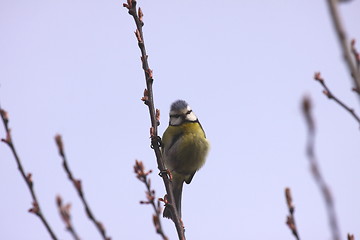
184, 149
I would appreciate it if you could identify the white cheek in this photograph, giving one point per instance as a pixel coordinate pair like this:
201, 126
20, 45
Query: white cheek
191, 117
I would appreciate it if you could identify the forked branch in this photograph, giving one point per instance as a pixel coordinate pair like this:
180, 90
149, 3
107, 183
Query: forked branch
77, 184
27, 177
142, 175
330, 95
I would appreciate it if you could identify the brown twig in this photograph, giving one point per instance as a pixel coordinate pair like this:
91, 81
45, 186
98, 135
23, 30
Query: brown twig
142, 175
77, 184
64, 211
154, 114
315, 170
344, 43
290, 220
27, 177
330, 95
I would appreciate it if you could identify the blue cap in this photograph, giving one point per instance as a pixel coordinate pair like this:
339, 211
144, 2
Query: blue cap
178, 105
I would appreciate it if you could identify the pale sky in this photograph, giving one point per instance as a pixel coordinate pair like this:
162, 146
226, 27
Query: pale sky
73, 67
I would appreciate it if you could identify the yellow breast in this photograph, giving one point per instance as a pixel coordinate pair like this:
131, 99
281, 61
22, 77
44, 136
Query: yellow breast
185, 148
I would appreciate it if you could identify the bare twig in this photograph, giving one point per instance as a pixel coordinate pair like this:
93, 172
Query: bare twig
330, 95
344, 43
27, 177
315, 170
142, 175
154, 116
64, 211
77, 184
290, 220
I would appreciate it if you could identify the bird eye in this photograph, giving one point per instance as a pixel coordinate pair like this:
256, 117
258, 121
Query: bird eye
175, 115
188, 112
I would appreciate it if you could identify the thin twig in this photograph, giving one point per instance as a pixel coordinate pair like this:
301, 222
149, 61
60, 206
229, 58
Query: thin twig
315, 170
142, 175
77, 184
27, 177
344, 43
65, 215
330, 95
290, 220
154, 114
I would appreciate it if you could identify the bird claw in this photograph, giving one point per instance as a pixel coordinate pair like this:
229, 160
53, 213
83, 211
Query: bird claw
156, 141
165, 172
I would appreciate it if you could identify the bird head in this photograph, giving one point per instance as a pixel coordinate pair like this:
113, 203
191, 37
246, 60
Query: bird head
181, 112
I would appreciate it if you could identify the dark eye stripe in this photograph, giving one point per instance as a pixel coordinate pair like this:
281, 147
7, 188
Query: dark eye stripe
180, 115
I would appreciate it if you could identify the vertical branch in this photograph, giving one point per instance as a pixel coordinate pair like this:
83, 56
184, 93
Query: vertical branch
290, 220
142, 175
344, 43
77, 184
154, 114
27, 177
315, 170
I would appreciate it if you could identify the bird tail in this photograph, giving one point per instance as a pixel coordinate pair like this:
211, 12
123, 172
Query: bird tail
177, 191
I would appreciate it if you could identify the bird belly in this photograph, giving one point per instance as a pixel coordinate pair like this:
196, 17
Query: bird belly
188, 154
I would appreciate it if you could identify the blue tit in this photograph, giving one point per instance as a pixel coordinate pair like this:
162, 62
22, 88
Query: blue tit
184, 149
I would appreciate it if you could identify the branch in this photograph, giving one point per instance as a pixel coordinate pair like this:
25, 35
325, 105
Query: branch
315, 170
141, 174
330, 95
290, 221
78, 187
344, 43
27, 177
64, 211
154, 115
